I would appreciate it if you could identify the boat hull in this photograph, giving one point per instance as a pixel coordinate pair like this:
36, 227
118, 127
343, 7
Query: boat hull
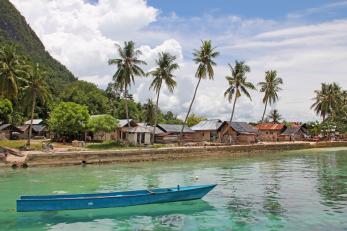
109, 200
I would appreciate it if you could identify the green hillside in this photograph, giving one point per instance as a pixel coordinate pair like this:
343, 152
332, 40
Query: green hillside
14, 29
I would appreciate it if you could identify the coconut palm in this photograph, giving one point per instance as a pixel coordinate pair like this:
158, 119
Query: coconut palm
204, 57
327, 100
274, 116
238, 84
127, 69
12, 71
270, 87
36, 89
163, 73
149, 112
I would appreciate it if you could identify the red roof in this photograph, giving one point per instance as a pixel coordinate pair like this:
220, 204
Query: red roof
270, 126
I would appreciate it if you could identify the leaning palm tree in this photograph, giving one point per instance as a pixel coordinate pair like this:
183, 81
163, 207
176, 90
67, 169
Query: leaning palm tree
274, 116
36, 89
270, 87
127, 69
204, 57
163, 73
12, 70
238, 84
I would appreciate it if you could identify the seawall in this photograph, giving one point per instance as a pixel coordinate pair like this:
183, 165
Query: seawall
137, 155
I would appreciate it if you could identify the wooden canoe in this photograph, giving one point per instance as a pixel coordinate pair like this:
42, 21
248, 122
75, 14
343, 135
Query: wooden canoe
109, 200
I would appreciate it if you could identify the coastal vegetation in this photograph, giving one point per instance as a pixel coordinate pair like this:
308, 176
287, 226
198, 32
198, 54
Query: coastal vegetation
238, 84
204, 58
34, 85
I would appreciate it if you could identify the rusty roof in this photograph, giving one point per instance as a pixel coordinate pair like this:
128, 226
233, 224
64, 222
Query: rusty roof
270, 126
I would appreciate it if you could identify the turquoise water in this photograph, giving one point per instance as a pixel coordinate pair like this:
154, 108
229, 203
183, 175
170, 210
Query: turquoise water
298, 190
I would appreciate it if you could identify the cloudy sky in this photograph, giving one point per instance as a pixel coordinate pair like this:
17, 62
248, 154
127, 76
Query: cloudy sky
305, 41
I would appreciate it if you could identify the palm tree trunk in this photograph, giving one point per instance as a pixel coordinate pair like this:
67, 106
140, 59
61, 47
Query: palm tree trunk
126, 105
190, 108
32, 118
262, 118
156, 115
232, 113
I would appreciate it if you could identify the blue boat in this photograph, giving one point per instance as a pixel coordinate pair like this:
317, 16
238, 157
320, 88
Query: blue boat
110, 200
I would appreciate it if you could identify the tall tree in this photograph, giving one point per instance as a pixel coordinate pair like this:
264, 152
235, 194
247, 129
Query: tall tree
127, 69
238, 83
163, 73
327, 100
270, 88
149, 112
12, 71
36, 89
274, 116
204, 58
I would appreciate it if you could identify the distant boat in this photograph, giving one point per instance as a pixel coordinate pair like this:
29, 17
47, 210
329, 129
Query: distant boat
113, 199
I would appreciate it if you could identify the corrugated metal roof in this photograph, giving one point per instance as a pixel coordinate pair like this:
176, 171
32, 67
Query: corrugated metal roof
173, 128
240, 127
270, 126
123, 122
207, 125
292, 130
35, 121
138, 129
4, 126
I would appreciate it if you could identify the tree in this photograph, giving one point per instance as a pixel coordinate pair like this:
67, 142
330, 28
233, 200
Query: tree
36, 89
194, 119
274, 116
270, 88
6, 110
170, 118
163, 73
88, 94
238, 84
204, 58
102, 123
127, 69
149, 112
69, 119
327, 100
127, 107
12, 71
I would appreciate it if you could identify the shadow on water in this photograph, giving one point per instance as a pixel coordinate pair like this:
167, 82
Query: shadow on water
24, 220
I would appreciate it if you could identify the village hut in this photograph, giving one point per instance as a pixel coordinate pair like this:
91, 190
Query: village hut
206, 130
236, 133
7, 131
295, 132
270, 131
170, 133
39, 130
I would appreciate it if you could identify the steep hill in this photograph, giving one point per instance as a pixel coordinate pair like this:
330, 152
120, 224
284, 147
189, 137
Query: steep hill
14, 29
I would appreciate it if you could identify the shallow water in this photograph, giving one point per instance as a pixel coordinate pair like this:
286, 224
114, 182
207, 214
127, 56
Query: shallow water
297, 190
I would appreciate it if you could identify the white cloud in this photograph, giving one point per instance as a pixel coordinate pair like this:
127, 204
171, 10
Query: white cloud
82, 37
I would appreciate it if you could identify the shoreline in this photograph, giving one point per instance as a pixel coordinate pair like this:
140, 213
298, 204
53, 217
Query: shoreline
37, 159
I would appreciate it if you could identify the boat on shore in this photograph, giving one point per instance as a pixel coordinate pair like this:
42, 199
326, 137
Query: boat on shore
110, 200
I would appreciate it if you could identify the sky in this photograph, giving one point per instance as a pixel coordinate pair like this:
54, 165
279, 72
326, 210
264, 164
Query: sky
305, 41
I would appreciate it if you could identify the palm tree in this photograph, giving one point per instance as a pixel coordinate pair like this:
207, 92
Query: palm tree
270, 87
149, 112
12, 70
275, 116
327, 100
127, 69
204, 57
163, 73
238, 83
36, 89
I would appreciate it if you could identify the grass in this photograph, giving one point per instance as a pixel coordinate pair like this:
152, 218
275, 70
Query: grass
35, 144
108, 145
